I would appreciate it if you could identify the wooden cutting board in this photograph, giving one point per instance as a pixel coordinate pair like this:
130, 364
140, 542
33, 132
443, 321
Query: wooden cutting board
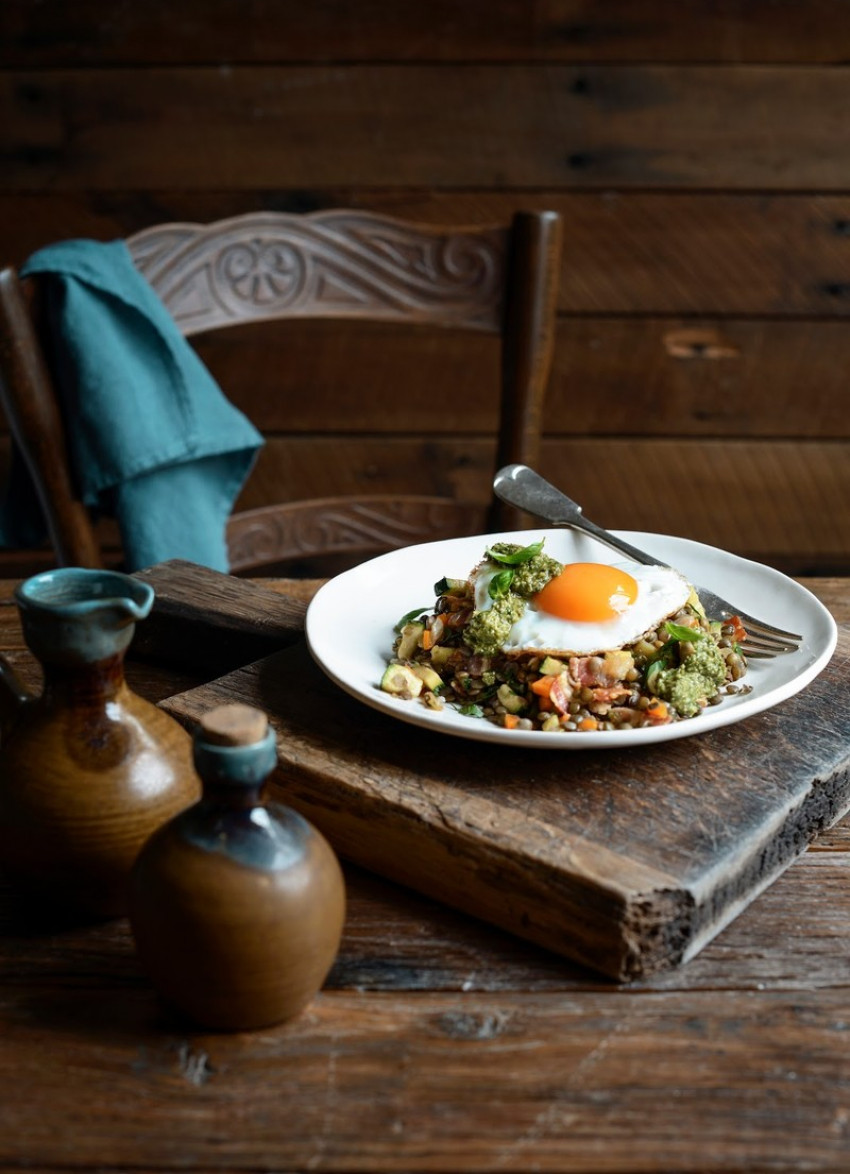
628, 860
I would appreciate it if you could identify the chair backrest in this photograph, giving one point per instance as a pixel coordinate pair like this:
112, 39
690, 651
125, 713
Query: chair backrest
338, 264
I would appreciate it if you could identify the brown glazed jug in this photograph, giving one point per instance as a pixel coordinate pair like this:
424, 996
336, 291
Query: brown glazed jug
237, 905
88, 769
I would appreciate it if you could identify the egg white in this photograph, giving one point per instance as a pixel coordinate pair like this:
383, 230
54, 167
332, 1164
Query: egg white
662, 591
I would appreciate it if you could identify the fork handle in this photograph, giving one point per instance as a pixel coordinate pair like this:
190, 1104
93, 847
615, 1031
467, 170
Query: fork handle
522, 487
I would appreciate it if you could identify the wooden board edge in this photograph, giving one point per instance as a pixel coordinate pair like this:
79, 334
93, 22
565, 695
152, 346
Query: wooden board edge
600, 924
827, 801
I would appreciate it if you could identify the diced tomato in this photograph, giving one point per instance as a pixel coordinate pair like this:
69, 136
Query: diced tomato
739, 632
561, 693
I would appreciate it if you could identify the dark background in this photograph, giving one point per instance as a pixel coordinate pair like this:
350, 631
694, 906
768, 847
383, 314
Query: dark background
700, 156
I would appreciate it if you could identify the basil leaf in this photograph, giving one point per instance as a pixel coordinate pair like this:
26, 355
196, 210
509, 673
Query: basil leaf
500, 584
516, 557
652, 670
411, 615
680, 632
664, 658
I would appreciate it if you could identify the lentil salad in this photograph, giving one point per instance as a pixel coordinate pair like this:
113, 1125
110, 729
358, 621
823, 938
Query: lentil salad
671, 673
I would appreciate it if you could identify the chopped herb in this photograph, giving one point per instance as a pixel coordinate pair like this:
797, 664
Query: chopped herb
416, 614
471, 710
681, 632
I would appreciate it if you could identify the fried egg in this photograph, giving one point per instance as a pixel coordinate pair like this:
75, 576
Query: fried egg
592, 607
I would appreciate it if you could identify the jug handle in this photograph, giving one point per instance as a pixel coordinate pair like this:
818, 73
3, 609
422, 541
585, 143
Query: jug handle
13, 695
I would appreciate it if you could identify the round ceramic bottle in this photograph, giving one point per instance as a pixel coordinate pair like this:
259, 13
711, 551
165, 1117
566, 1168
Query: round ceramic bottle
88, 769
237, 904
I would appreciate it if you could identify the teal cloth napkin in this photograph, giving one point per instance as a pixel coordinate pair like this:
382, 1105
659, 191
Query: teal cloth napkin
153, 440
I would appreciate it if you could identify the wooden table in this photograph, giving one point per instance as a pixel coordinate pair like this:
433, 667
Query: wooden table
440, 1043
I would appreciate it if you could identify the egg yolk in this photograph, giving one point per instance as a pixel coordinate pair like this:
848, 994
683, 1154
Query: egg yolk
588, 591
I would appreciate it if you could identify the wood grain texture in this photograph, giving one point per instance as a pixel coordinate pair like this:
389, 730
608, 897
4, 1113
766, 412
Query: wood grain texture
697, 154
231, 619
643, 377
784, 502
396, 939
580, 127
442, 1043
612, 375
598, 874
627, 252
765, 499
97, 32
425, 1082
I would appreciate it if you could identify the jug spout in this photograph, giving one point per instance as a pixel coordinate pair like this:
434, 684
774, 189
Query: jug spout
77, 616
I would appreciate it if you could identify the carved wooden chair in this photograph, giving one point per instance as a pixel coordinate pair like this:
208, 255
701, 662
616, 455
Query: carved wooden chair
334, 264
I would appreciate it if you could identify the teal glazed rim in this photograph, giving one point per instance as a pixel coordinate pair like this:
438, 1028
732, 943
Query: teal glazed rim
245, 766
79, 591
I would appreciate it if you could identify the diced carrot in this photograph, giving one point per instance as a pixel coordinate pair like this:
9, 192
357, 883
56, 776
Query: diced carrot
658, 712
588, 723
545, 704
542, 686
427, 639
510, 721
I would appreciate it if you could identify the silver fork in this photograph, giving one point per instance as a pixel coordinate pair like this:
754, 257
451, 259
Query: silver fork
522, 487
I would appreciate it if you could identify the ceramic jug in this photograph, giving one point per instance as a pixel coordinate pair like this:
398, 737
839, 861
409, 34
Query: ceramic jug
237, 904
88, 769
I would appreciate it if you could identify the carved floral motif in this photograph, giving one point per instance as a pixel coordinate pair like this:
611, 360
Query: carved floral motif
329, 264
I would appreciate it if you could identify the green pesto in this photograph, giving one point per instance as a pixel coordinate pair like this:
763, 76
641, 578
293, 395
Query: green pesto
696, 679
531, 577
506, 548
487, 630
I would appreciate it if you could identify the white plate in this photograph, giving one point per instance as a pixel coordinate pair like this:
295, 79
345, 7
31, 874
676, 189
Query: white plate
350, 629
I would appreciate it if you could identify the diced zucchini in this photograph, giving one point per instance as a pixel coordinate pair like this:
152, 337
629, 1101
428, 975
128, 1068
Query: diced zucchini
512, 702
448, 586
551, 666
410, 636
401, 681
441, 654
430, 679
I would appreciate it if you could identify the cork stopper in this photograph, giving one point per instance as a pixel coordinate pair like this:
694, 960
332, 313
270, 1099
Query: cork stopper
233, 725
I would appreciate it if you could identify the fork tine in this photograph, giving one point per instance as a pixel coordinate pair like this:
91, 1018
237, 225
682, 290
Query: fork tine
752, 647
720, 609
760, 628
757, 640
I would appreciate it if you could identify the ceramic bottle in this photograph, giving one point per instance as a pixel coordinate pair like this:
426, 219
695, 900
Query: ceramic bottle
88, 769
237, 905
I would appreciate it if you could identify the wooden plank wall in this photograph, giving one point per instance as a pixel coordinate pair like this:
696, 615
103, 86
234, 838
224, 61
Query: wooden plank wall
699, 153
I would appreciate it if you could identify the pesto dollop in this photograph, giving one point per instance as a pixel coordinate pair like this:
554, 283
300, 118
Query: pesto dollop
487, 630
697, 678
531, 577
530, 569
